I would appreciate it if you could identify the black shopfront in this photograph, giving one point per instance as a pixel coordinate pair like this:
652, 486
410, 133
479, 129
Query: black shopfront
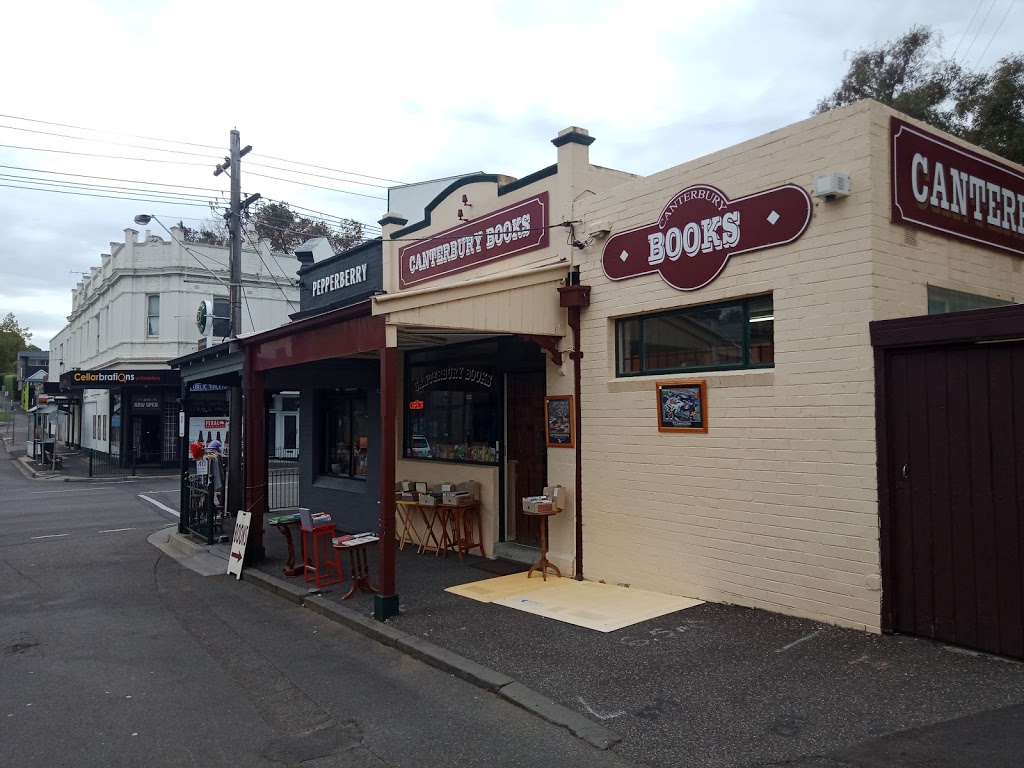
141, 420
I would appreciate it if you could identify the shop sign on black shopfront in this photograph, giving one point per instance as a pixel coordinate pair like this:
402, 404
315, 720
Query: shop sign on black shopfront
114, 379
344, 279
146, 404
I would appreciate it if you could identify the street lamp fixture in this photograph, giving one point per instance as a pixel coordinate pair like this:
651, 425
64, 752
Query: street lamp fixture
143, 219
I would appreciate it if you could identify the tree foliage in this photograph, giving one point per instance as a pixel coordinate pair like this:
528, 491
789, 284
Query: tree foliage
911, 75
285, 229
14, 338
282, 227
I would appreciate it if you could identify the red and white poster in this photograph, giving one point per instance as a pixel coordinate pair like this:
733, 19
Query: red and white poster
700, 229
517, 229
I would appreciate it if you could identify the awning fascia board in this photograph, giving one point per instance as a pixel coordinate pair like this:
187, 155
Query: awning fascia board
423, 297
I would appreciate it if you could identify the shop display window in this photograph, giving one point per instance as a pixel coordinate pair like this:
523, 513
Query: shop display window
345, 441
736, 334
452, 405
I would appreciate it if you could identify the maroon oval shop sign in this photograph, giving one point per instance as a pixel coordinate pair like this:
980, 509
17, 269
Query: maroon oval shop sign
701, 228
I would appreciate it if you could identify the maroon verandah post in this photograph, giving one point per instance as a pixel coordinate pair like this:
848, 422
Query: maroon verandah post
386, 603
254, 457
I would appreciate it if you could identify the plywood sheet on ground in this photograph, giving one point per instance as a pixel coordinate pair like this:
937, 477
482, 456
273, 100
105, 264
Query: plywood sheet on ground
601, 607
489, 590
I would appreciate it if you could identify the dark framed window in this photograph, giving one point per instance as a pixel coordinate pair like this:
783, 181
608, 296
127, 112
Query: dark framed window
943, 300
730, 335
222, 317
345, 438
453, 405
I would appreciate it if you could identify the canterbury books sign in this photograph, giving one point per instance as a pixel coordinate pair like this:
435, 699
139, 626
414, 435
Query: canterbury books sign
518, 229
700, 229
943, 187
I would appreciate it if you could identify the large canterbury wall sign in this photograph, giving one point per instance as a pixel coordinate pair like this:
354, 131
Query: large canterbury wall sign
940, 186
701, 229
520, 228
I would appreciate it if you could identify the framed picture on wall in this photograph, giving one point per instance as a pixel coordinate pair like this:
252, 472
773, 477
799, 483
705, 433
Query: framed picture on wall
558, 416
682, 406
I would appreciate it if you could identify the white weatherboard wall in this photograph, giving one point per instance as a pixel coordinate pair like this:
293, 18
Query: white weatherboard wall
776, 506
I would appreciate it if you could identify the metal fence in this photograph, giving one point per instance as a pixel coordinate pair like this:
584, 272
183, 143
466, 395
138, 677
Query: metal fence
283, 487
200, 516
108, 464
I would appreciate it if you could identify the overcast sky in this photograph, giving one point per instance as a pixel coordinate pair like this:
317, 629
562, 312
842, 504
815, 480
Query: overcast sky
421, 91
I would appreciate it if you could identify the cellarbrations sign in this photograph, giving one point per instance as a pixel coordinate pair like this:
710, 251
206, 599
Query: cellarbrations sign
517, 229
939, 186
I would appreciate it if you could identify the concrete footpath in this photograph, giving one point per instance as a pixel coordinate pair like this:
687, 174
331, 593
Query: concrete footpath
713, 685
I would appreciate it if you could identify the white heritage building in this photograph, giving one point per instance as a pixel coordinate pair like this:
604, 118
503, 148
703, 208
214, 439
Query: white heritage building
137, 310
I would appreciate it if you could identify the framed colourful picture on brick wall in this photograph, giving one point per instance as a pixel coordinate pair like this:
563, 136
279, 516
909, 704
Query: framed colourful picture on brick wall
558, 431
682, 406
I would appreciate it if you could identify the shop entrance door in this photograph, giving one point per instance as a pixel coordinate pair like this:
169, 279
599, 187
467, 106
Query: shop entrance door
526, 452
147, 439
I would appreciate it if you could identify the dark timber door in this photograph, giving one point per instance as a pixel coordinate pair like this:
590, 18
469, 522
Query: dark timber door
525, 445
954, 423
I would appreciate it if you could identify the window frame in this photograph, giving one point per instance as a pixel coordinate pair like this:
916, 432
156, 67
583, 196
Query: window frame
328, 400
150, 316
471, 354
620, 323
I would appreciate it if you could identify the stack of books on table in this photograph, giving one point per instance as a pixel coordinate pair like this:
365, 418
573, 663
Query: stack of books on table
284, 519
355, 539
311, 520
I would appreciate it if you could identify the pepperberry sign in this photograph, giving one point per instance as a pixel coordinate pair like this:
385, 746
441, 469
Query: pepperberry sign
940, 186
517, 229
701, 229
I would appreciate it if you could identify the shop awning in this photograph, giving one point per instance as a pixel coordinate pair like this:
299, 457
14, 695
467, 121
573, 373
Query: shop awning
523, 303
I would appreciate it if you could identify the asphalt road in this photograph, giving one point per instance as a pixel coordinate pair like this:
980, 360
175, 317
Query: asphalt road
111, 654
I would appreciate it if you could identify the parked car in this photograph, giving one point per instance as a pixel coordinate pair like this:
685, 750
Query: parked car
421, 447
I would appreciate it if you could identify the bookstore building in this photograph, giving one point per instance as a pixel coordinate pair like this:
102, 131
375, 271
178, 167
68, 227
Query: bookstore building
771, 376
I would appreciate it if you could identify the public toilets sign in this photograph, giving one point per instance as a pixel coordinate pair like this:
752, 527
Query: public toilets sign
940, 186
518, 229
701, 229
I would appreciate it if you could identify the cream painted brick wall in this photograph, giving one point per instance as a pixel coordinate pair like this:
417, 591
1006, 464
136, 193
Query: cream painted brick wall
776, 507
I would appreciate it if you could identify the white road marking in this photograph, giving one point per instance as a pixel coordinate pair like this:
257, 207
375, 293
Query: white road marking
117, 530
50, 536
156, 503
797, 642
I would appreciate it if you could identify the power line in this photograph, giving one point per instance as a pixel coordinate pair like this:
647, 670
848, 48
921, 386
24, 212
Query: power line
980, 26
328, 218
1000, 26
967, 29
318, 175
315, 186
191, 144
107, 157
111, 197
103, 187
112, 133
103, 141
108, 178
270, 271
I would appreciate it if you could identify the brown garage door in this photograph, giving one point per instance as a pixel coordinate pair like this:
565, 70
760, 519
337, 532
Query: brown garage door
952, 527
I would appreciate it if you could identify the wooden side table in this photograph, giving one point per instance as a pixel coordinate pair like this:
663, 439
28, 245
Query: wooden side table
543, 564
285, 527
357, 561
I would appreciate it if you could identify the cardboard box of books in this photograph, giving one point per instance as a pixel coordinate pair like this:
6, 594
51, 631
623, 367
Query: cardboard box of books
557, 494
536, 505
457, 498
471, 487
